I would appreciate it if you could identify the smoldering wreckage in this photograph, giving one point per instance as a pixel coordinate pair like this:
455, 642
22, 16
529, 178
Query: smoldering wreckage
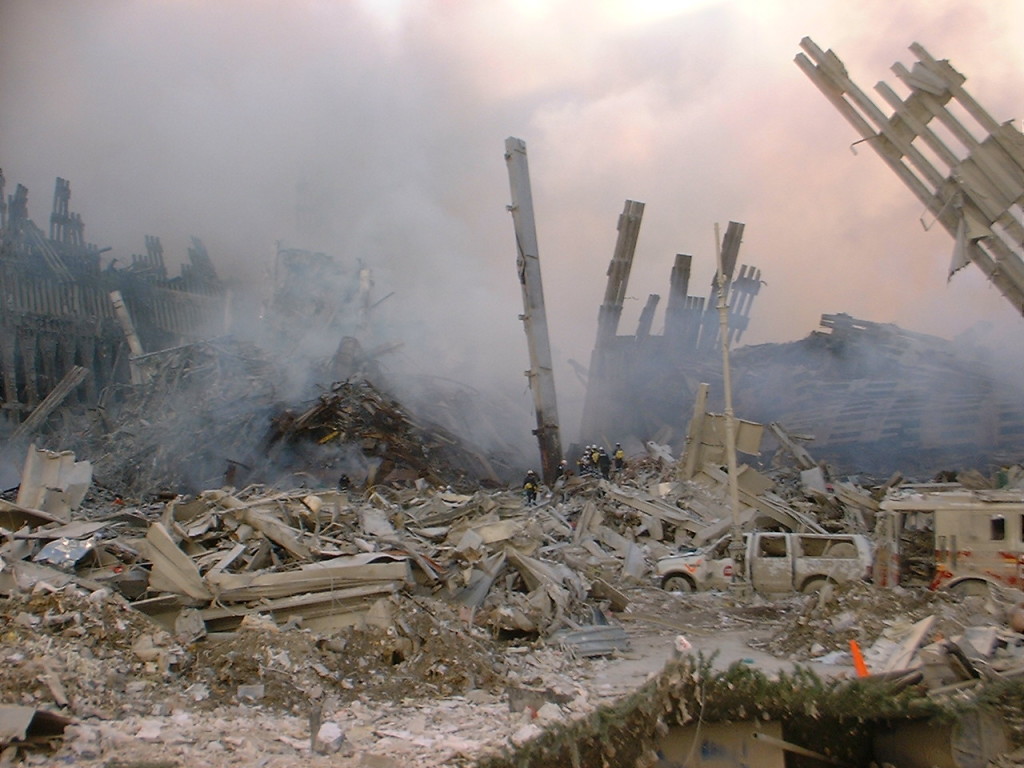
198, 568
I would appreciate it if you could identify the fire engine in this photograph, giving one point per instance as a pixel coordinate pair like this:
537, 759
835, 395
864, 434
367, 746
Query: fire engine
950, 538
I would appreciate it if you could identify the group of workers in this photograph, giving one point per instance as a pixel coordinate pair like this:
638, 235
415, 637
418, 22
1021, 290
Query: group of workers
595, 461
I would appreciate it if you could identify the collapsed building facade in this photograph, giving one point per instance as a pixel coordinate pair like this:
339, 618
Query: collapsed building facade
872, 396
404, 594
967, 171
59, 309
660, 371
876, 398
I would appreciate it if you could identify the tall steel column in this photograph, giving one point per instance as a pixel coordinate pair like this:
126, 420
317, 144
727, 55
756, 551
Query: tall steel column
534, 317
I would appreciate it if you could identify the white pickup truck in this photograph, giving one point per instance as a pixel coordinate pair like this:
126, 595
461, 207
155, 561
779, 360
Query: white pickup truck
774, 562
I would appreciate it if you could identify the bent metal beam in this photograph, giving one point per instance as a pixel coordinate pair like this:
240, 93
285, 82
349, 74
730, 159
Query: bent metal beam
976, 194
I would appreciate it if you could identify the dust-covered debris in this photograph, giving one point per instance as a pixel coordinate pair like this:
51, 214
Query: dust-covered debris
430, 689
224, 411
428, 653
824, 623
388, 608
79, 651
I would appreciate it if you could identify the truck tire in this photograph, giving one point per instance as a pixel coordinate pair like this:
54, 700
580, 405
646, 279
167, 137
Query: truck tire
971, 588
815, 584
675, 582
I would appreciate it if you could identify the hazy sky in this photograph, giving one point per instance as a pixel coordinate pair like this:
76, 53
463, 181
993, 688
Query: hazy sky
204, 117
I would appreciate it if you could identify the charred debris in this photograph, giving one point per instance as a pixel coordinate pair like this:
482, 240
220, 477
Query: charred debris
411, 621
145, 378
212, 548
230, 543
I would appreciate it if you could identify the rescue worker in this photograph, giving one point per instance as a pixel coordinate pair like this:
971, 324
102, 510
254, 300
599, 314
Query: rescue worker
562, 475
530, 484
619, 457
604, 463
583, 462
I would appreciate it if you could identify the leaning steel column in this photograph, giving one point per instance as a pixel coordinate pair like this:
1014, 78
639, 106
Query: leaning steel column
977, 188
534, 317
134, 345
618, 272
604, 384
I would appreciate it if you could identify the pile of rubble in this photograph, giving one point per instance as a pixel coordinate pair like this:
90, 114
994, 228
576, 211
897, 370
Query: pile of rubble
862, 613
223, 411
334, 558
392, 448
292, 600
404, 622
333, 605
91, 667
94, 656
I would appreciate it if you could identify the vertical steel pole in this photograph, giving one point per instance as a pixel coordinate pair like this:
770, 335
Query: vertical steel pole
534, 317
736, 548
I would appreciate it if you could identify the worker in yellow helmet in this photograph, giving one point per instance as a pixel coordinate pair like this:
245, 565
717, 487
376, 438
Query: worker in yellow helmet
619, 457
530, 485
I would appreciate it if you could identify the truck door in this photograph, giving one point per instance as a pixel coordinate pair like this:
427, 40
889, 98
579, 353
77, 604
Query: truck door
986, 546
979, 542
771, 562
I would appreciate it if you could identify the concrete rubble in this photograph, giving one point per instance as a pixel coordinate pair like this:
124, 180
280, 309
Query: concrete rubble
218, 556
214, 569
387, 600
407, 623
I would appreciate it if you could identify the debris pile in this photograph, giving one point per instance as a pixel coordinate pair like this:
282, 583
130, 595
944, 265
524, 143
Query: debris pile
124, 687
861, 612
331, 618
220, 411
77, 651
332, 559
878, 399
391, 448
378, 560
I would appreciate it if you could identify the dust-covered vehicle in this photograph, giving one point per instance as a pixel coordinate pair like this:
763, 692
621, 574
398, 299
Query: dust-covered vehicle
774, 562
966, 541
